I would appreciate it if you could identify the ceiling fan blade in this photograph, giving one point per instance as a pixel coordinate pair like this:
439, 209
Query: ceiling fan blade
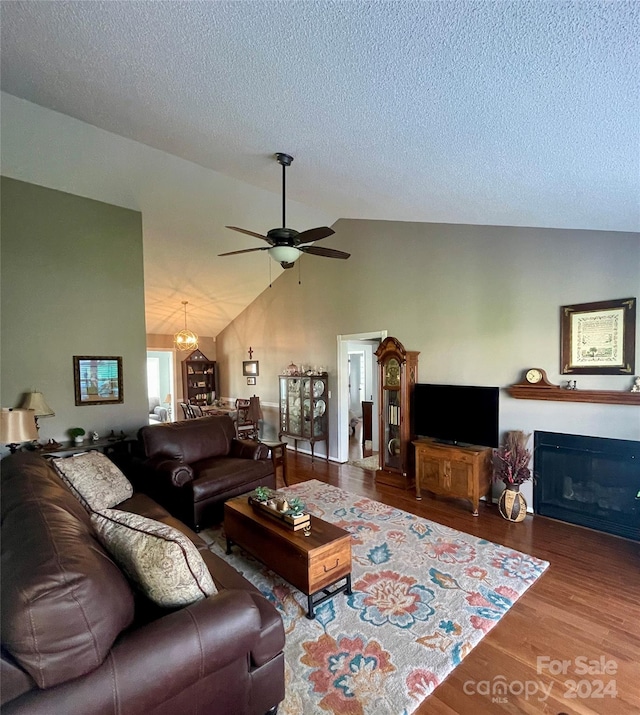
245, 250
249, 233
314, 234
326, 252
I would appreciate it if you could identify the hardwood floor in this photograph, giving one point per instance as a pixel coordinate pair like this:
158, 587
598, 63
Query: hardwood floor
584, 611
358, 449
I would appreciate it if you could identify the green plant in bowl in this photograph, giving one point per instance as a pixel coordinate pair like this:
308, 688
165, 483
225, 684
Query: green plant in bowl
76, 433
262, 493
296, 507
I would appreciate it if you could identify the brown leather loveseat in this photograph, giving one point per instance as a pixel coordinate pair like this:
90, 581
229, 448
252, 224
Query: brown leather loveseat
193, 467
79, 639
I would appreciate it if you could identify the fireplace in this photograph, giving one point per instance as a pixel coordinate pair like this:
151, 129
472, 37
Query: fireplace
590, 481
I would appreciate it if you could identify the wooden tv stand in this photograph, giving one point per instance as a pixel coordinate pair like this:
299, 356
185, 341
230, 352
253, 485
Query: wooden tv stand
453, 471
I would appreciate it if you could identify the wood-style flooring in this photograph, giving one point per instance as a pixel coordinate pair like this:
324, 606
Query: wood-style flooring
582, 616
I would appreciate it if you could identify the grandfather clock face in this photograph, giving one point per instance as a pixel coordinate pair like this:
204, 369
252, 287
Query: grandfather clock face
392, 373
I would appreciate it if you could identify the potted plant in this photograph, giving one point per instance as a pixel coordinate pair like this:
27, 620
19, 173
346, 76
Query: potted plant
296, 507
511, 467
262, 494
77, 434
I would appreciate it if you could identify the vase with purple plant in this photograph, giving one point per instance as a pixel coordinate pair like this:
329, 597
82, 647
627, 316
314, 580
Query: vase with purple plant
511, 467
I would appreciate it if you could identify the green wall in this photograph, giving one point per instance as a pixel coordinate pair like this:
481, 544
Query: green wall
72, 284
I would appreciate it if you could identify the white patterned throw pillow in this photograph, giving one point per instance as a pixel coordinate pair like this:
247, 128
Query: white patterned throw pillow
163, 562
94, 479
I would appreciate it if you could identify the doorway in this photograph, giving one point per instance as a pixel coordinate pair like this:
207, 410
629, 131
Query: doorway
160, 386
361, 346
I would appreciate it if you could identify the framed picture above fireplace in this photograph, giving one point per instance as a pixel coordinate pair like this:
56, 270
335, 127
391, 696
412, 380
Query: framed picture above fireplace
598, 338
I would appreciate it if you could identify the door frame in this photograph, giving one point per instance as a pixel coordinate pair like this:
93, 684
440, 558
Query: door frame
174, 378
343, 387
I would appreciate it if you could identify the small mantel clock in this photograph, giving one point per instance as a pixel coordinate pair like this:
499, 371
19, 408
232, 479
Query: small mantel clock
534, 377
398, 373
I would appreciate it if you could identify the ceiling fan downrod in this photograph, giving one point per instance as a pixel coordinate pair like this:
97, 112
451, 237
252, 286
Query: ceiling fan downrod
285, 160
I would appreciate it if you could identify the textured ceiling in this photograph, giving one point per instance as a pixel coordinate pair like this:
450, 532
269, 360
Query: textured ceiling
504, 113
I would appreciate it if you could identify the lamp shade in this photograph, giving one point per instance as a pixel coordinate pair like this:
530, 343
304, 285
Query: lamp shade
284, 254
254, 413
17, 426
167, 399
35, 401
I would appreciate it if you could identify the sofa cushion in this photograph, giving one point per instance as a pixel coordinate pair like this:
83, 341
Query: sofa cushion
64, 601
94, 479
162, 562
145, 506
191, 440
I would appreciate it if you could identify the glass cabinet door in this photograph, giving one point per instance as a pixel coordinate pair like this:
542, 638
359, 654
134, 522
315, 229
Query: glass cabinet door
307, 413
392, 453
294, 405
284, 412
319, 397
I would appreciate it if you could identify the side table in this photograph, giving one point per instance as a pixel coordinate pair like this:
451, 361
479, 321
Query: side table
118, 451
278, 453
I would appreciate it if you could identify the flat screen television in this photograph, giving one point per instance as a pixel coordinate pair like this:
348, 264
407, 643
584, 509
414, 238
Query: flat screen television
456, 414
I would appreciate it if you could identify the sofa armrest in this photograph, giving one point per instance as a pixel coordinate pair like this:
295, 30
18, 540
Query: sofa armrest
150, 665
172, 472
248, 449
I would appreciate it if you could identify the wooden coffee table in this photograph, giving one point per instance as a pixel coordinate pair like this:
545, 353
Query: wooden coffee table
314, 564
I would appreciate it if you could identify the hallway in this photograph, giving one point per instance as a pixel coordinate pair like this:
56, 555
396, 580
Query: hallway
356, 449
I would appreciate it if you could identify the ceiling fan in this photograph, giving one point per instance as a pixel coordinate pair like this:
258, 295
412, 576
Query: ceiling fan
285, 244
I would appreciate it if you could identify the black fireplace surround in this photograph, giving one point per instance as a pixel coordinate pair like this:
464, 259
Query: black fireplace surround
590, 481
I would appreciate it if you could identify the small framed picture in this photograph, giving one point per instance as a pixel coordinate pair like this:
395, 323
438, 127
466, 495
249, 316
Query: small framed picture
97, 380
251, 381
598, 338
251, 368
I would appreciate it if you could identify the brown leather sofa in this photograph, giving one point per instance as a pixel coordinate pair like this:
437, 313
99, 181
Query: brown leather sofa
193, 467
77, 639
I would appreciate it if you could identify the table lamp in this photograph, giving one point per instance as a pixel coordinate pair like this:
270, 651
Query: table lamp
35, 401
17, 426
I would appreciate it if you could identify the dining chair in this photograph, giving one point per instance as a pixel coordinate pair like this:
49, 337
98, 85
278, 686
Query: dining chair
255, 413
246, 426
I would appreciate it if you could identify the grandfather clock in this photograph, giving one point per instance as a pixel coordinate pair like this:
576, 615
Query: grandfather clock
398, 373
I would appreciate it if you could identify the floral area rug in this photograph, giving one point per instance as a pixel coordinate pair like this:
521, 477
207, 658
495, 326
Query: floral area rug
423, 596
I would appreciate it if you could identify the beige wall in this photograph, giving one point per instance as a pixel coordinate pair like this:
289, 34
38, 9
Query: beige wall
206, 345
72, 284
480, 303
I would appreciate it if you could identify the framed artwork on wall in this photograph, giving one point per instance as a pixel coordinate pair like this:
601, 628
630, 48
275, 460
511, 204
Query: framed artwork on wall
250, 368
97, 380
598, 338
251, 381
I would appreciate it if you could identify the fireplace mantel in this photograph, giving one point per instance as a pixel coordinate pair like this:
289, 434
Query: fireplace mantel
609, 397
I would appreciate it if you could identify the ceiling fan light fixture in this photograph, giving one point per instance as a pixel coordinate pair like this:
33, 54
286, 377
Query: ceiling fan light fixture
284, 254
185, 339
286, 244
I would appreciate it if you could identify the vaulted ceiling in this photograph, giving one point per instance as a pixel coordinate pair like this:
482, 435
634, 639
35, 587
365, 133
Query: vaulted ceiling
461, 111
